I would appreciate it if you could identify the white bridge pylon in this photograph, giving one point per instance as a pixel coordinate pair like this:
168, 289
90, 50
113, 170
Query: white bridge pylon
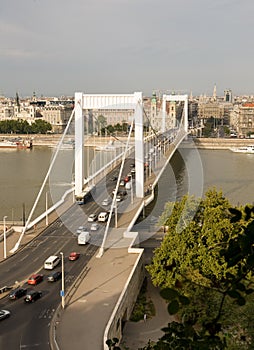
175, 98
109, 101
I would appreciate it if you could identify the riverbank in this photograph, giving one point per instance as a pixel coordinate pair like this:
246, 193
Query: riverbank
221, 143
52, 140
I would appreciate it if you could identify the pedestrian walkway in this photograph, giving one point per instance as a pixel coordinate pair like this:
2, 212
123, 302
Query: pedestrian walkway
82, 324
137, 334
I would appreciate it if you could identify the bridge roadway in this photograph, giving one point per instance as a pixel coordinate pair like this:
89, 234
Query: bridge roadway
92, 301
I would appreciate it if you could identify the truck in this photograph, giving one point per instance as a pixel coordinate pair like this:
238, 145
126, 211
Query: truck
83, 238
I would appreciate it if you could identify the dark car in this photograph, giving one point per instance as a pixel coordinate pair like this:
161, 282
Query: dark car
113, 178
35, 279
32, 295
17, 293
55, 276
120, 196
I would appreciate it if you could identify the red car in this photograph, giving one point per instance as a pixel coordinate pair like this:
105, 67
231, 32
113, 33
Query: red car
74, 256
35, 279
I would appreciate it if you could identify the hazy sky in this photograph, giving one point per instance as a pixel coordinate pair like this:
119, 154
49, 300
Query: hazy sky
58, 47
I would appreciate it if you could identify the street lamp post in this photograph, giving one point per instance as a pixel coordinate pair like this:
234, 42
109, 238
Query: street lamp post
116, 214
4, 218
47, 218
131, 191
62, 291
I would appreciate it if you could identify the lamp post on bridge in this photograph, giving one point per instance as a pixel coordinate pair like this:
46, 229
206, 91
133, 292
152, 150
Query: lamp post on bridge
131, 190
4, 218
47, 218
62, 291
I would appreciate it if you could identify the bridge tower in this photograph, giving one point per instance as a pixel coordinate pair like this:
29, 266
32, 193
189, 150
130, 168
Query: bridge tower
175, 98
109, 101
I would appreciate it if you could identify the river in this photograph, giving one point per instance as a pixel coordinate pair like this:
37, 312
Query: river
23, 171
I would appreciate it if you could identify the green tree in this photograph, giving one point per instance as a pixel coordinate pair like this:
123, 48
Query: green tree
40, 126
204, 267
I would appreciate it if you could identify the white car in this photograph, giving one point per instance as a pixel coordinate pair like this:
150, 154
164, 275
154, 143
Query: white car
103, 216
94, 226
92, 217
4, 314
81, 229
106, 201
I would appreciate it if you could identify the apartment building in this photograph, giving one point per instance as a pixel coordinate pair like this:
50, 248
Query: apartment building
55, 111
242, 119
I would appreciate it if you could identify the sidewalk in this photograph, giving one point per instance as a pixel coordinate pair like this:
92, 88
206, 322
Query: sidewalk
137, 334
82, 324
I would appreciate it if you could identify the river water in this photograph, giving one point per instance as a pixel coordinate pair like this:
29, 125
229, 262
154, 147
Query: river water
23, 172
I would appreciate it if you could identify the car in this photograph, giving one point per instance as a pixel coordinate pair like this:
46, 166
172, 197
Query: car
127, 178
92, 217
120, 196
106, 201
54, 276
4, 314
32, 295
35, 279
74, 256
132, 165
113, 178
81, 229
94, 226
17, 293
122, 182
103, 216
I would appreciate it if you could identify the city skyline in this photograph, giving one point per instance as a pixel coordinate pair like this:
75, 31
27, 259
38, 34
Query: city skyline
119, 46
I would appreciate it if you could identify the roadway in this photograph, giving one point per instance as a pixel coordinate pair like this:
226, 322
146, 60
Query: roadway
28, 326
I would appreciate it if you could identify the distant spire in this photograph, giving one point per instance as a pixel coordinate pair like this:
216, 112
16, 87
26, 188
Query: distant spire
214, 93
17, 101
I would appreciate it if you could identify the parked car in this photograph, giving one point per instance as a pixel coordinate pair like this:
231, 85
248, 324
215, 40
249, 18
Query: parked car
32, 295
35, 279
4, 314
54, 276
92, 217
17, 293
94, 226
74, 256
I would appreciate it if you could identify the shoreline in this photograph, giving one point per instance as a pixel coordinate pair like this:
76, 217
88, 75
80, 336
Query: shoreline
221, 143
200, 143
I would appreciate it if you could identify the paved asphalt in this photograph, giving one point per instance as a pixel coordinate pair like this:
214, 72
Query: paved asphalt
82, 323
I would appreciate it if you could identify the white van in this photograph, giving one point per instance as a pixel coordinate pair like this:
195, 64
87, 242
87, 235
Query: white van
103, 216
83, 238
128, 185
51, 262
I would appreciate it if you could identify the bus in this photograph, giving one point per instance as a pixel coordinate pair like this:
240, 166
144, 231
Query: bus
85, 195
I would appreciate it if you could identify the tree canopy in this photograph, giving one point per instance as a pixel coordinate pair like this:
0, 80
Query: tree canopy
204, 268
21, 126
